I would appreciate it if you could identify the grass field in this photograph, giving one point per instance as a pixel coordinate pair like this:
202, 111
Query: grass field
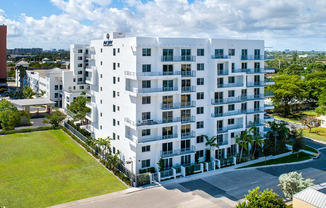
46, 168
308, 148
286, 159
296, 117
316, 133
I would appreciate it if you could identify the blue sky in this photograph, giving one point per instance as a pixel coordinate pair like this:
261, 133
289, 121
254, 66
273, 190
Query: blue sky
283, 24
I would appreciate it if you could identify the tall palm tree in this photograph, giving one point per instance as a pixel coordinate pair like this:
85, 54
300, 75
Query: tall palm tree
211, 142
243, 141
257, 139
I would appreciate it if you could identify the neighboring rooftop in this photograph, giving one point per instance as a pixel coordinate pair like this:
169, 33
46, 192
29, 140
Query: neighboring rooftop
31, 102
44, 72
314, 195
22, 63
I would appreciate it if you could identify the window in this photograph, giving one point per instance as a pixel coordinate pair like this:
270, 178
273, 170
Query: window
101, 101
200, 139
80, 58
146, 100
118, 108
80, 65
80, 72
114, 66
231, 121
146, 68
200, 153
231, 93
231, 80
80, 51
219, 53
200, 81
200, 52
113, 136
56, 87
56, 95
101, 114
114, 94
200, 124
113, 122
114, 108
81, 87
200, 95
114, 80
146, 132
80, 79
231, 52
101, 88
231, 107
146, 52
101, 75
118, 65
244, 65
118, 79
146, 84
101, 63
146, 148
74, 79
60, 87
200, 67
114, 51
145, 163
146, 116
232, 135
200, 110
118, 50
101, 50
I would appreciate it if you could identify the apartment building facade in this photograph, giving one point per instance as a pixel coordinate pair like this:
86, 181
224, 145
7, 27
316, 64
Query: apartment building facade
157, 97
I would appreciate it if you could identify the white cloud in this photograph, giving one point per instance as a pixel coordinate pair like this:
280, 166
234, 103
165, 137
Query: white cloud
279, 22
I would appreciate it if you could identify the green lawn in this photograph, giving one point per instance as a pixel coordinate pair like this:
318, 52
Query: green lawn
295, 117
316, 133
308, 148
286, 159
46, 168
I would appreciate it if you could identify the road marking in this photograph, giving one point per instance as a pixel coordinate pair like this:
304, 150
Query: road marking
321, 148
254, 182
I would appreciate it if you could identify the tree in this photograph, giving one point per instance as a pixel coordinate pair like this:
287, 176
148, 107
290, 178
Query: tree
243, 141
28, 92
54, 118
292, 183
78, 106
41, 93
9, 115
211, 142
265, 199
257, 139
294, 69
298, 141
277, 136
22, 74
309, 121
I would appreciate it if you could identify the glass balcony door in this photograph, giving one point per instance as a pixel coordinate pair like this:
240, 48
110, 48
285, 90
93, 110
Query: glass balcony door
168, 69
167, 85
185, 54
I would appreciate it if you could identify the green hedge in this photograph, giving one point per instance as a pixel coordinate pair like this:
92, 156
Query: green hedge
41, 128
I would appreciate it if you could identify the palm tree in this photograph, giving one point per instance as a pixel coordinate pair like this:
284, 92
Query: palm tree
211, 142
257, 140
102, 143
280, 133
243, 141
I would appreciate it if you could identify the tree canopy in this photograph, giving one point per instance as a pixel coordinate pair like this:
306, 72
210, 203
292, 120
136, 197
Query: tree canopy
9, 115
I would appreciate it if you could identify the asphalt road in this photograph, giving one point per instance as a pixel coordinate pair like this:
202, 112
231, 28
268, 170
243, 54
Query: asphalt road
220, 190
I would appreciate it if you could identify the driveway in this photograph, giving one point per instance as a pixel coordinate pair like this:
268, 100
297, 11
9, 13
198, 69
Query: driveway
220, 190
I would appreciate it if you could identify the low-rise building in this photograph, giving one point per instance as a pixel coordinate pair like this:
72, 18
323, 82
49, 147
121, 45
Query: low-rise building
312, 197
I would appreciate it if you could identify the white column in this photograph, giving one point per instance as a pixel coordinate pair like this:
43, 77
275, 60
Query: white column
174, 173
183, 171
218, 163
206, 165
226, 153
202, 167
214, 163
159, 176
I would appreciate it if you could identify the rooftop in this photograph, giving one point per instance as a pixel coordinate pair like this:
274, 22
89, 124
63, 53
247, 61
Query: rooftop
31, 102
314, 195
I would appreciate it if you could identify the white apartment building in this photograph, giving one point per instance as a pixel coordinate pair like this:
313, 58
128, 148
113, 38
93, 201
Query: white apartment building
49, 81
156, 97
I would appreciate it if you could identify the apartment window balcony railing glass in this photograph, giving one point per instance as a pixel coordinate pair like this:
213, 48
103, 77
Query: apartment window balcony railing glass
167, 106
269, 70
152, 122
230, 85
145, 74
239, 70
255, 110
151, 90
188, 73
188, 89
187, 135
226, 129
229, 113
269, 81
257, 57
223, 142
256, 84
253, 97
222, 72
178, 58
220, 57
187, 119
177, 152
256, 123
255, 71
267, 117
158, 138
227, 100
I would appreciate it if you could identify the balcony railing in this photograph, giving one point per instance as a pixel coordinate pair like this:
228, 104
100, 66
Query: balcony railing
220, 57
257, 57
187, 135
144, 74
188, 73
256, 84
229, 113
224, 142
255, 110
255, 71
222, 72
268, 93
239, 70
253, 97
188, 89
152, 122
187, 119
267, 117
256, 123
227, 128
269, 81
150, 139
151, 90
230, 85
178, 58
269, 70
167, 106
172, 153
227, 100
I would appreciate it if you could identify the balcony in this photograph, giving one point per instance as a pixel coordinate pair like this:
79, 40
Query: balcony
152, 122
227, 100
256, 123
178, 152
269, 81
187, 135
268, 107
188, 89
256, 57
92, 76
256, 84
152, 139
188, 73
269, 93
229, 85
91, 116
269, 70
178, 58
229, 113
256, 71
224, 142
222, 72
254, 97
239, 71
220, 57
226, 129
268, 118
255, 110
188, 119
150, 75
151, 90
168, 106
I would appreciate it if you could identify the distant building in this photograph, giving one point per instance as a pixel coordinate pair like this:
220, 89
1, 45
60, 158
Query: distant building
3, 56
312, 197
322, 121
22, 63
17, 51
306, 56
